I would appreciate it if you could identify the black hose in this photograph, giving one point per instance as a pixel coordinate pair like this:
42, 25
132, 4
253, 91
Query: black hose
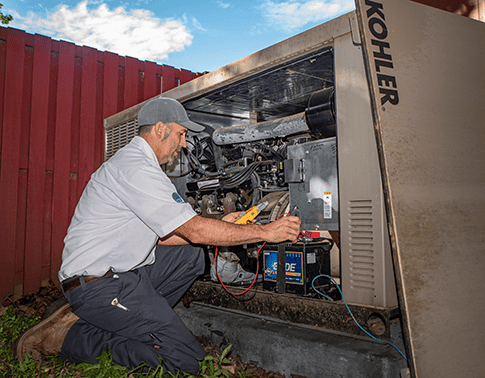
256, 183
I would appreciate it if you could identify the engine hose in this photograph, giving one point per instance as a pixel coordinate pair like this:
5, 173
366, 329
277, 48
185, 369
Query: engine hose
233, 182
241, 177
196, 167
256, 182
232, 162
245, 174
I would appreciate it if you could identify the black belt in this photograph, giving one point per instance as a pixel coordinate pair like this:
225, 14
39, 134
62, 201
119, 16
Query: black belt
76, 282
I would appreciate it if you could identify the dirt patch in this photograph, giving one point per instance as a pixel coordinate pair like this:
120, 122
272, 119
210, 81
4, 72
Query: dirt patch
36, 304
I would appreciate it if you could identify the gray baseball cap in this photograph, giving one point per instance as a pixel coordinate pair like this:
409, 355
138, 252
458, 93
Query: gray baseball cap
166, 110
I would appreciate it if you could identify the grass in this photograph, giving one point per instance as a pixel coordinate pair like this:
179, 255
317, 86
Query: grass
12, 324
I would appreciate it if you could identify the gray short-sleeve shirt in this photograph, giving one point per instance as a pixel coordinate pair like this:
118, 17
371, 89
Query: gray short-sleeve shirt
126, 206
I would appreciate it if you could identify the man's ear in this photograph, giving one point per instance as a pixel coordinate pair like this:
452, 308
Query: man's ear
160, 129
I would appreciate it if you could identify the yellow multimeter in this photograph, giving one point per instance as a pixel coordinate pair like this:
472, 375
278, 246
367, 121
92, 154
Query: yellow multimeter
251, 214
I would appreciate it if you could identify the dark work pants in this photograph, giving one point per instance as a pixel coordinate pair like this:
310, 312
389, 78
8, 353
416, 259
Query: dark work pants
119, 312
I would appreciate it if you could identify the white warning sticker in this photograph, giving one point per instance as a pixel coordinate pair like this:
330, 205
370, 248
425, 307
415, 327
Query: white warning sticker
327, 205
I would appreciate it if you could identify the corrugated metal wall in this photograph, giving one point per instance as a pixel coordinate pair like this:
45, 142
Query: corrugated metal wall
53, 99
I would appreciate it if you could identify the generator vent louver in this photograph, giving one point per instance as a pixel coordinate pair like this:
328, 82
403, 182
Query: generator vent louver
119, 136
362, 253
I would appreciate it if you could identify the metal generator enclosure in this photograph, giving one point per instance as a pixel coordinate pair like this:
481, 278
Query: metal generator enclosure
371, 126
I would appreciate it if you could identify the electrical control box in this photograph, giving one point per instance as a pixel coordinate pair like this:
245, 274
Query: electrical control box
315, 191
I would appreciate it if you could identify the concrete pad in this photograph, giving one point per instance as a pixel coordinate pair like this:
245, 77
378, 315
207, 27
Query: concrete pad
292, 349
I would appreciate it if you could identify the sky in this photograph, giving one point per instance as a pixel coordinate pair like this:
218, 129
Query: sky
194, 35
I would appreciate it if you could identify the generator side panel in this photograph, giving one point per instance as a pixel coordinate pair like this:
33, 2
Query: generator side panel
425, 70
366, 263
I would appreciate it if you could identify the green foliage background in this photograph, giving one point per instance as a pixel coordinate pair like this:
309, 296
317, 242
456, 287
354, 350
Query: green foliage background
5, 18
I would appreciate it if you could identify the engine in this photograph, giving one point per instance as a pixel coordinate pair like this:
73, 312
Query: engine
221, 180
230, 169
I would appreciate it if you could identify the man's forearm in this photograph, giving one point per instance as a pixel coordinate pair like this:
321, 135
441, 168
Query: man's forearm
172, 239
214, 232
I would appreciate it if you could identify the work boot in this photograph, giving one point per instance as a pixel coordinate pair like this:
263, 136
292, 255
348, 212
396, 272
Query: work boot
230, 271
47, 337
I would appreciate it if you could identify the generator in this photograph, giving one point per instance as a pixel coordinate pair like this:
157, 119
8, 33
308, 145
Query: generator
291, 127
368, 127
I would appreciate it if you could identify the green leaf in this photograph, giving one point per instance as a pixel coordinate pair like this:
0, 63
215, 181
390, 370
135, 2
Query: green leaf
225, 352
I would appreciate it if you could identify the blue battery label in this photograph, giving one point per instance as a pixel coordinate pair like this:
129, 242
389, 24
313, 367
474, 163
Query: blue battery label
294, 267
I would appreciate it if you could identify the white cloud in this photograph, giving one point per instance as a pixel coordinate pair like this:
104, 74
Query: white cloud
137, 32
294, 14
196, 24
223, 5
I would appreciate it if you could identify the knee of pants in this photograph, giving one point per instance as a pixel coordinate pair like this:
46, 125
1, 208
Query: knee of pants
199, 258
196, 255
199, 252
187, 256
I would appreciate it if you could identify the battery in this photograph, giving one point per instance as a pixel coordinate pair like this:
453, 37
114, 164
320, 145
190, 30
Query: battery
304, 261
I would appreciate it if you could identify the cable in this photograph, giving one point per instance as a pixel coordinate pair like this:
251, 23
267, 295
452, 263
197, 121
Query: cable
319, 292
257, 267
254, 279
352, 315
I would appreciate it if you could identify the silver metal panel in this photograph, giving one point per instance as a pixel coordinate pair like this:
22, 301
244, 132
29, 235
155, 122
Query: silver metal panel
366, 264
317, 195
429, 122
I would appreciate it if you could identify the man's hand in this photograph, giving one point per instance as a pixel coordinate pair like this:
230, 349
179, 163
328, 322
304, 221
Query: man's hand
286, 228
